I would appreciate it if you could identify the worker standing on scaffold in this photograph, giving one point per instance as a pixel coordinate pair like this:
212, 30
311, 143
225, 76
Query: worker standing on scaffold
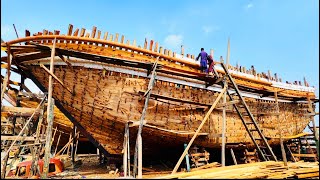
203, 61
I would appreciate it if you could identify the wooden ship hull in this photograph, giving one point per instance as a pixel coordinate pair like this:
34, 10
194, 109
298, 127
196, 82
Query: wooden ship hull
103, 82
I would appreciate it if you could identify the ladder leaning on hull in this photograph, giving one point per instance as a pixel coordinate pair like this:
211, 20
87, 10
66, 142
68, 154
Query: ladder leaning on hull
251, 125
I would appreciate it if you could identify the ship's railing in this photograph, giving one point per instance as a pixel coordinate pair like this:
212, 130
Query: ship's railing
83, 37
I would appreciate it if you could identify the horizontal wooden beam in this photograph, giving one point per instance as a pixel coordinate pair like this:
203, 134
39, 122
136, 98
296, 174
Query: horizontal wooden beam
305, 155
20, 111
18, 138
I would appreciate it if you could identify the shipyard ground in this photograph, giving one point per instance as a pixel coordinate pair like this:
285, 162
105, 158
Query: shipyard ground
90, 169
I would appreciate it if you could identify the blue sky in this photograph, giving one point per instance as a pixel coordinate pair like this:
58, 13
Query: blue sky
277, 35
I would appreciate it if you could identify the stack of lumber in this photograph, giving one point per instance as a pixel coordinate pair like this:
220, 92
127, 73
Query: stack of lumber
267, 170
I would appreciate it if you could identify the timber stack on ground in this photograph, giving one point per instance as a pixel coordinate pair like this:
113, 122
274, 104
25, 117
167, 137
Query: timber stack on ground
258, 170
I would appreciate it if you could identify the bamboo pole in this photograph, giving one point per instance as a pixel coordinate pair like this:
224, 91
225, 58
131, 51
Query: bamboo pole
198, 130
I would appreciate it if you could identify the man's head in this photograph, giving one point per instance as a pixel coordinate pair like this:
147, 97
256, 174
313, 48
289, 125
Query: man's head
202, 49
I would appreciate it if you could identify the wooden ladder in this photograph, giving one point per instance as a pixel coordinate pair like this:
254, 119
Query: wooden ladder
250, 123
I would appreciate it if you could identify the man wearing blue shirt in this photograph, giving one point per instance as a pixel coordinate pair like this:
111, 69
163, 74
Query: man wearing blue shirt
203, 61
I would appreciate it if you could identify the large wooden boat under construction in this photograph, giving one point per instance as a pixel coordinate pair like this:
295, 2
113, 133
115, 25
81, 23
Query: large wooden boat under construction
101, 80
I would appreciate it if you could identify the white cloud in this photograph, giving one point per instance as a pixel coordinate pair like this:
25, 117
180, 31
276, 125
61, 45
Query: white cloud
248, 6
209, 29
173, 41
170, 24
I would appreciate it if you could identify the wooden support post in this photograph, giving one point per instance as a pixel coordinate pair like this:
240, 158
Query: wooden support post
228, 54
48, 139
233, 157
139, 156
100, 157
36, 149
156, 47
223, 137
54, 134
73, 144
294, 159
187, 159
70, 139
128, 150
284, 157
4, 161
55, 151
198, 130
138, 147
65, 146
76, 148
125, 151
182, 50
224, 118
49, 116
7, 77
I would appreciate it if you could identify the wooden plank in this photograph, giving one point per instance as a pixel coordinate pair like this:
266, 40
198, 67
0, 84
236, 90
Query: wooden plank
305, 155
70, 30
93, 33
18, 138
99, 34
76, 32
21, 110
182, 50
122, 39
156, 47
55, 77
145, 45
116, 37
83, 30
151, 45
105, 37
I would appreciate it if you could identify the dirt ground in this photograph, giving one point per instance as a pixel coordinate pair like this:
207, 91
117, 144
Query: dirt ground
90, 169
